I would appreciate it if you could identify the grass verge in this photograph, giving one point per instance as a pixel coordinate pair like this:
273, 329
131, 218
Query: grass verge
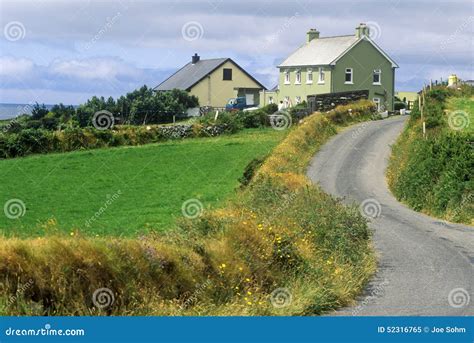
434, 174
280, 247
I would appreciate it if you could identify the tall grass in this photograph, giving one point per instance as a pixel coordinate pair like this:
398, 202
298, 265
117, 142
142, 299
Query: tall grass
280, 247
435, 174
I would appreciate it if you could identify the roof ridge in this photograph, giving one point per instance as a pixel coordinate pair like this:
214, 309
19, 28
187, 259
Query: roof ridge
334, 37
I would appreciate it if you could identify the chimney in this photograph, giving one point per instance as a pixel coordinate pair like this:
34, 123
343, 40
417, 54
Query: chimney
312, 34
362, 30
195, 59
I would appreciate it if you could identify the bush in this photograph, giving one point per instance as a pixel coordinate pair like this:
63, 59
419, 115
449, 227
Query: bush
398, 105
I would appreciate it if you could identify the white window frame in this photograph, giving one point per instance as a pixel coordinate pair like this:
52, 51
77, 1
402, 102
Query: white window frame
321, 76
270, 100
287, 77
298, 99
287, 102
351, 72
309, 72
297, 77
379, 73
376, 101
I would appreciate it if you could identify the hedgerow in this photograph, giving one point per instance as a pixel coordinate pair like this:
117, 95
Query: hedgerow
435, 174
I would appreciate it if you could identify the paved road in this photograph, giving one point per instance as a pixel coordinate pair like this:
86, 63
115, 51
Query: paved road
425, 265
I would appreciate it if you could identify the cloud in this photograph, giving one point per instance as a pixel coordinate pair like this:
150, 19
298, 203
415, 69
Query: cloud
105, 69
111, 47
14, 67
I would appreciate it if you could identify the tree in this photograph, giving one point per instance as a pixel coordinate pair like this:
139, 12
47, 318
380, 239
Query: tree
38, 111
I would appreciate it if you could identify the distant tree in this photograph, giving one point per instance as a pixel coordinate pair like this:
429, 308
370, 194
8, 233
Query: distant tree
38, 111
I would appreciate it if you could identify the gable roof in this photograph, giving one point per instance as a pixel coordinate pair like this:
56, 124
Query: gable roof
327, 51
191, 74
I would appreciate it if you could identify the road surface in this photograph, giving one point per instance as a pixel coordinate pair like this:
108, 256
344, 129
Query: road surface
425, 264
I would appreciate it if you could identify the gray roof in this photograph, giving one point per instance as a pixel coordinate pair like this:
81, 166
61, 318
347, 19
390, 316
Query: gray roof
319, 51
190, 74
326, 51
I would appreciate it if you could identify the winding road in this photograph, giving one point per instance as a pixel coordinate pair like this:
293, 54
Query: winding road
426, 265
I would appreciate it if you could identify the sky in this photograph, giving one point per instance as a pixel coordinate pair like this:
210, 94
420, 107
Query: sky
67, 51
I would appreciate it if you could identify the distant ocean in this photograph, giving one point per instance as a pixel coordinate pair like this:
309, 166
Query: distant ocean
8, 111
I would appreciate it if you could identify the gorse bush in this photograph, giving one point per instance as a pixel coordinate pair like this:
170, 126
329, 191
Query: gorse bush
281, 237
435, 175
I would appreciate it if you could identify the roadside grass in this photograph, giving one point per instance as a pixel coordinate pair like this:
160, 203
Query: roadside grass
465, 104
279, 246
145, 185
434, 174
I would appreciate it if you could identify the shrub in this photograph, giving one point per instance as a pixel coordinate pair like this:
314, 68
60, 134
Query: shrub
398, 105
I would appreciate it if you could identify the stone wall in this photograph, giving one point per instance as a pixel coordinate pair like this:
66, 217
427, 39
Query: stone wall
328, 101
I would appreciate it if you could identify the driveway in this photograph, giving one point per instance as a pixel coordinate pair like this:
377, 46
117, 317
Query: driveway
425, 264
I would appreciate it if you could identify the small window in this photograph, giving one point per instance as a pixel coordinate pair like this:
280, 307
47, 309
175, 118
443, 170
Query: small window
227, 74
270, 100
309, 76
348, 76
287, 101
377, 77
321, 76
298, 77
287, 77
298, 100
377, 103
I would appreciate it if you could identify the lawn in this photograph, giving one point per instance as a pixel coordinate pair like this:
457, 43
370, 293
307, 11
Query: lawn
466, 105
139, 189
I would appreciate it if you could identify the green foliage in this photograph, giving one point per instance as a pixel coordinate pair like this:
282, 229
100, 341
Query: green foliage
154, 181
435, 174
398, 105
250, 170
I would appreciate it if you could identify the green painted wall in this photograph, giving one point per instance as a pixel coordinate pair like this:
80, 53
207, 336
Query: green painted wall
363, 59
304, 89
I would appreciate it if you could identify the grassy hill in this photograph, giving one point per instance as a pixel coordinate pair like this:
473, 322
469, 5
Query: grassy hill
142, 188
434, 174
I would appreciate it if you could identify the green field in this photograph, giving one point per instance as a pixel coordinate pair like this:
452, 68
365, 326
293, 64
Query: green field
466, 105
141, 188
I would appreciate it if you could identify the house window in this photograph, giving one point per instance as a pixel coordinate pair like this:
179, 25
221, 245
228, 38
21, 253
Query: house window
270, 100
376, 80
298, 100
287, 77
287, 101
377, 103
309, 76
321, 76
298, 77
227, 74
348, 76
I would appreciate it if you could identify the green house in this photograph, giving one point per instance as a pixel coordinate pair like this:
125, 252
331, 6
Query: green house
335, 64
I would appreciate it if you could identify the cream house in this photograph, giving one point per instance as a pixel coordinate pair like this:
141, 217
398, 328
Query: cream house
214, 82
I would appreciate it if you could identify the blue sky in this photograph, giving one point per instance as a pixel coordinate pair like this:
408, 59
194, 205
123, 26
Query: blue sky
67, 51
